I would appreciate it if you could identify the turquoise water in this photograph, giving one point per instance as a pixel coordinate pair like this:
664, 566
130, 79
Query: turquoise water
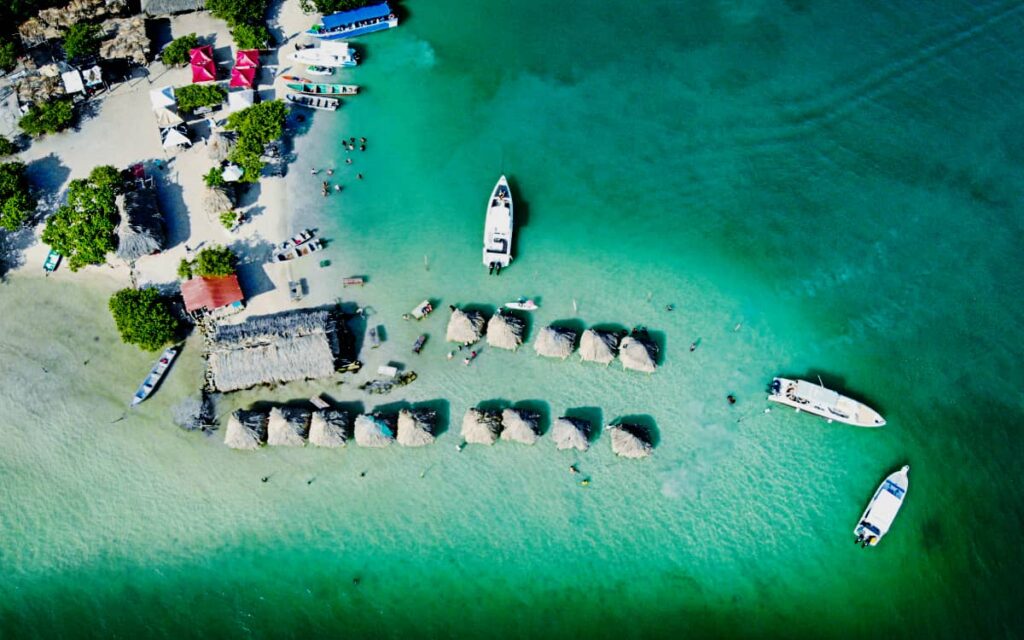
843, 182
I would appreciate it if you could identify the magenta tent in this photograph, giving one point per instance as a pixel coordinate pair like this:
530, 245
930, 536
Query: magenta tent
247, 58
242, 77
203, 69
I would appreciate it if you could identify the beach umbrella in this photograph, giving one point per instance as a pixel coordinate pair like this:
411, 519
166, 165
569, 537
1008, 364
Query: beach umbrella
630, 440
505, 331
201, 55
173, 137
519, 425
232, 173
162, 97
247, 58
328, 428
416, 427
555, 342
571, 433
287, 428
373, 431
480, 426
465, 327
203, 72
166, 118
246, 430
598, 346
637, 355
242, 77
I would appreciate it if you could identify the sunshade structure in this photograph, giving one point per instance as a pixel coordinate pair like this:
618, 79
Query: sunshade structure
246, 430
211, 294
232, 173
481, 426
636, 352
162, 97
72, 81
166, 118
571, 433
555, 342
630, 440
374, 431
247, 58
238, 100
141, 230
416, 427
465, 327
505, 331
175, 137
170, 7
287, 427
217, 200
203, 68
329, 428
598, 346
243, 77
520, 425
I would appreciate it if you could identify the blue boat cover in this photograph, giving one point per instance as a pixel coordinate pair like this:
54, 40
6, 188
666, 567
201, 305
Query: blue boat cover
381, 10
894, 489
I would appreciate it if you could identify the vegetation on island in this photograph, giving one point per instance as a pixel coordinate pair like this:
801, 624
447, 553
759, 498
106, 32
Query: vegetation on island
185, 269
333, 6
195, 96
7, 148
177, 52
8, 54
214, 177
256, 126
49, 117
82, 41
83, 229
214, 261
247, 19
16, 201
229, 219
12, 12
251, 36
143, 318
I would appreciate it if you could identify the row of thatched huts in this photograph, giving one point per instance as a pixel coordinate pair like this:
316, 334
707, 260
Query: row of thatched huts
504, 330
486, 426
293, 427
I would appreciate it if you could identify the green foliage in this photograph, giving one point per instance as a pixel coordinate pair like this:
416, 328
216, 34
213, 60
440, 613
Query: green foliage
256, 125
50, 117
333, 6
214, 177
83, 229
185, 269
236, 12
214, 261
177, 52
249, 36
194, 96
143, 318
229, 219
8, 54
16, 201
7, 148
82, 40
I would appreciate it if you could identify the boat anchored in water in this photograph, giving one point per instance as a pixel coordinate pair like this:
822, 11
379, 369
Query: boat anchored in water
828, 404
357, 22
156, 374
523, 304
313, 102
308, 87
328, 54
881, 511
498, 228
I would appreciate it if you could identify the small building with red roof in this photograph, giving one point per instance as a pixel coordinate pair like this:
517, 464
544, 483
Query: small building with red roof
211, 294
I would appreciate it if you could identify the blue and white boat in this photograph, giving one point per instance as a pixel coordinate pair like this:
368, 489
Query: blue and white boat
349, 24
882, 510
156, 374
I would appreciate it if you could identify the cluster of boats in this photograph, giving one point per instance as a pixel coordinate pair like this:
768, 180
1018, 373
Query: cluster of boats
300, 245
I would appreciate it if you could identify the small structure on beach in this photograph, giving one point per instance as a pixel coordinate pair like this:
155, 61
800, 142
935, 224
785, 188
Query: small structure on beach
247, 58
555, 342
141, 230
294, 345
505, 331
219, 145
481, 426
165, 117
287, 427
242, 77
175, 136
520, 425
416, 427
217, 200
598, 346
170, 7
246, 430
637, 352
163, 98
374, 430
211, 293
201, 62
329, 428
465, 327
630, 440
571, 433
125, 39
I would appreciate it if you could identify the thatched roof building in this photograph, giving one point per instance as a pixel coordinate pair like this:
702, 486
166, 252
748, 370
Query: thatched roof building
170, 7
555, 342
465, 327
125, 39
416, 427
505, 331
571, 433
295, 345
329, 428
374, 430
141, 230
480, 426
246, 430
52, 23
598, 346
287, 427
520, 425
630, 440
637, 354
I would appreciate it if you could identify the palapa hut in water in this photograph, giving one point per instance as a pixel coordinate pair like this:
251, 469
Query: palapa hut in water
480, 426
287, 427
329, 428
465, 327
295, 345
637, 352
141, 230
246, 430
374, 430
416, 427
555, 342
505, 331
571, 433
630, 440
520, 425
598, 346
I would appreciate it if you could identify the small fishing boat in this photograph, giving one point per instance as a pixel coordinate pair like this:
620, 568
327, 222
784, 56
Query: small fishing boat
294, 290
881, 511
313, 102
356, 22
498, 228
828, 404
311, 246
418, 345
318, 70
328, 54
299, 238
374, 338
52, 262
156, 374
523, 304
422, 310
323, 88
355, 281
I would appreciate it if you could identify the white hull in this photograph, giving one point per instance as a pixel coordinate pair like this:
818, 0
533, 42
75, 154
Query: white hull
498, 227
330, 54
816, 399
881, 511
156, 374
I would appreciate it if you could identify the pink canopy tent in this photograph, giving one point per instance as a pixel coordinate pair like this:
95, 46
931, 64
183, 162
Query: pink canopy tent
243, 77
203, 69
201, 55
247, 58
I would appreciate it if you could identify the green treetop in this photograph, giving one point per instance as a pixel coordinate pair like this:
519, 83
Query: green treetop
83, 229
143, 318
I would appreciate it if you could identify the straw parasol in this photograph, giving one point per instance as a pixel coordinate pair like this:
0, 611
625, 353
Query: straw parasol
217, 200
520, 425
416, 427
287, 427
630, 440
571, 433
555, 342
465, 327
637, 355
219, 146
141, 229
505, 331
480, 426
373, 431
329, 428
598, 346
246, 430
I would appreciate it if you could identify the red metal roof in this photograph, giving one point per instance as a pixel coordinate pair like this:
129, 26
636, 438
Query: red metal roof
247, 58
210, 293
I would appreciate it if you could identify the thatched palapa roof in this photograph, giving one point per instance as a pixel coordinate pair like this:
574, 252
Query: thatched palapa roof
637, 354
216, 201
246, 430
169, 7
505, 331
287, 427
374, 431
598, 346
630, 440
295, 345
555, 342
329, 428
220, 145
465, 327
125, 39
480, 426
416, 427
520, 425
141, 230
571, 433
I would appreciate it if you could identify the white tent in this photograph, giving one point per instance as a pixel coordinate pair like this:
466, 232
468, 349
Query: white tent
238, 100
232, 173
72, 81
162, 97
172, 137
166, 118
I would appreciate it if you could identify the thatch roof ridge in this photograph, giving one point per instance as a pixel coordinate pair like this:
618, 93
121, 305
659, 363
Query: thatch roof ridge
571, 433
169, 7
505, 331
599, 346
520, 425
416, 427
246, 430
329, 428
374, 430
555, 342
465, 326
630, 440
141, 230
287, 427
481, 426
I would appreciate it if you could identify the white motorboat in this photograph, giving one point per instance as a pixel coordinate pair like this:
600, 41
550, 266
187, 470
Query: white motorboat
318, 70
523, 304
828, 404
329, 54
498, 228
882, 510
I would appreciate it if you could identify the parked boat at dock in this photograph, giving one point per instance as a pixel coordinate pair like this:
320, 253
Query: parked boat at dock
523, 304
357, 22
498, 228
52, 262
882, 509
828, 404
328, 54
156, 374
292, 253
313, 102
301, 85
